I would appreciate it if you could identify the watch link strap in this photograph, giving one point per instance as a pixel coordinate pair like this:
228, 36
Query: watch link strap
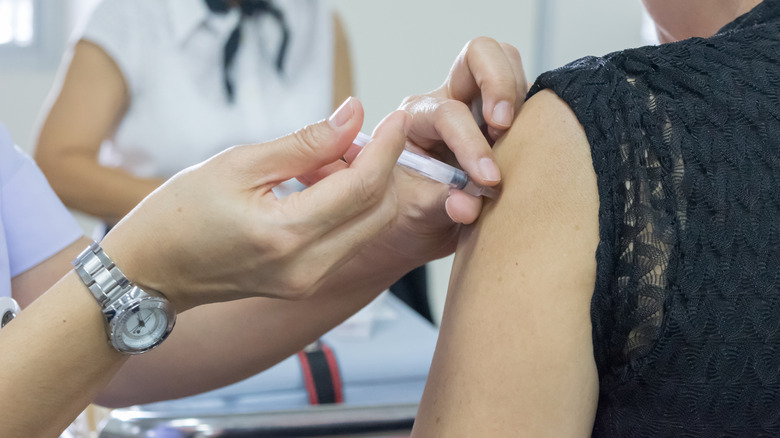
101, 275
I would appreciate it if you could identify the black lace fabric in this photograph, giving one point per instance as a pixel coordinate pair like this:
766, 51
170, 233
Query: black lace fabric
685, 141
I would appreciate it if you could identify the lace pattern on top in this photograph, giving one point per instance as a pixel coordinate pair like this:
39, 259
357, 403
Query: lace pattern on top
685, 142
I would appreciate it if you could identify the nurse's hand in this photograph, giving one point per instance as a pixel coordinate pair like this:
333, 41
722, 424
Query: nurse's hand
216, 232
429, 214
487, 83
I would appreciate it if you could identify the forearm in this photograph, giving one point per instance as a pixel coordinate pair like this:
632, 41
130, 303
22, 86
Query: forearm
88, 108
55, 359
254, 334
85, 185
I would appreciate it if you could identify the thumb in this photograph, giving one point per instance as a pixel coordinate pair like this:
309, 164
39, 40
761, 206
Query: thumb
308, 148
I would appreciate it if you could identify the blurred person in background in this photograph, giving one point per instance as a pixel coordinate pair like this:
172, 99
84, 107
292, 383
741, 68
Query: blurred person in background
154, 86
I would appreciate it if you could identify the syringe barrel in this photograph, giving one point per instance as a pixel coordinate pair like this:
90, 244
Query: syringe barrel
434, 169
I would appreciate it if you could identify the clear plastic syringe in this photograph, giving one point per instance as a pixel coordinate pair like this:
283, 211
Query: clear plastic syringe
436, 170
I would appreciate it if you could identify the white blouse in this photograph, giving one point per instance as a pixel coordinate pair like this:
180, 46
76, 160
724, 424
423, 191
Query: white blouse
170, 53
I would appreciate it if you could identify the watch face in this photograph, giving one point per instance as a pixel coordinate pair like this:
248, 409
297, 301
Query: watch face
143, 326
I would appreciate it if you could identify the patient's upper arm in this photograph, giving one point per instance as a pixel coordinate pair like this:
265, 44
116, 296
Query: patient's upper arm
515, 353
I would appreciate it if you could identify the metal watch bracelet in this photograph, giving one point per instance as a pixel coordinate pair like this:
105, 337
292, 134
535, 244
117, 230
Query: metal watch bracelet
99, 273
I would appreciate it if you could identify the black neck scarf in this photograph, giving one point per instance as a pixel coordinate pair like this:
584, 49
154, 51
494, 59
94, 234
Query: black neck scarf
248, 8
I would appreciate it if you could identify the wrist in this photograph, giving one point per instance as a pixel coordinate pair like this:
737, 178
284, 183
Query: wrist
138, 264
136, 319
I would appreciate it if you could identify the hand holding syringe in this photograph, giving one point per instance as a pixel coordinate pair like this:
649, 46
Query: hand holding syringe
436, 170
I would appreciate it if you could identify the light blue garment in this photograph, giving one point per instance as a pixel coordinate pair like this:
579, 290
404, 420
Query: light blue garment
34, 224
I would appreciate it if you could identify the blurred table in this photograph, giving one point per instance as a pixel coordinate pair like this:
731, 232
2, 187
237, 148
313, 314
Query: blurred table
384, 354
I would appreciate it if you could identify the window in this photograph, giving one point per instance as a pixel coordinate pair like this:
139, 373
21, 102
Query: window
17, 22
32, 33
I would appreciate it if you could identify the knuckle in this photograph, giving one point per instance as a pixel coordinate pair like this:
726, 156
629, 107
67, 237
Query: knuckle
480, 41
422, 103
448, 111
450, 107
228, 157
231, 161
511, 50
410, 101
309, 138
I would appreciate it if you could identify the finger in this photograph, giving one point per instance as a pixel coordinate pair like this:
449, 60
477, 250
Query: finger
516, 62
451, 121
387, 143
352, 153
311, 178
349, 156
463, 208
343, 195
305, 150
483, 69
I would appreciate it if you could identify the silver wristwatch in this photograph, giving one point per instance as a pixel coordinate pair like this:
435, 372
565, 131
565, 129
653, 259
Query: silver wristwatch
136, 320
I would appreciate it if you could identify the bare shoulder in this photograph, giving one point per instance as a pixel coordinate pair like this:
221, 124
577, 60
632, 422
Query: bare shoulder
549, 185
515, 338
547, 149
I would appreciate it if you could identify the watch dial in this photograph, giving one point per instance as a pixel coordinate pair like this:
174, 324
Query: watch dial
143, 326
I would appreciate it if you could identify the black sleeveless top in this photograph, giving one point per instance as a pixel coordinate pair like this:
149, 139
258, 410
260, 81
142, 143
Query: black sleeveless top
685, 142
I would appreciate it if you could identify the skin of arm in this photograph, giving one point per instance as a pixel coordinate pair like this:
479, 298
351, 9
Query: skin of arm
221, 329
63, 327
342, 63
515, 351
67, 327
90, 104
56, 356
32, 283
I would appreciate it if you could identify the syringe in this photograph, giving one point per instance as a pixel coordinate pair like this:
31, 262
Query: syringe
436, 170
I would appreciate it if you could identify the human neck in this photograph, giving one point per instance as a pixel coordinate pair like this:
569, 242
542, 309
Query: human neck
746, 6
677, 20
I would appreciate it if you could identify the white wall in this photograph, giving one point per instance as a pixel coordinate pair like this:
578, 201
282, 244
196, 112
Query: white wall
399, 48
575, 28
406, 47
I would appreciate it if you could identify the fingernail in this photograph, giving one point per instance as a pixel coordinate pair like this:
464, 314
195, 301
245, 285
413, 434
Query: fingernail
495, 133
448, 208
342, 115
502, 113
489, 170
